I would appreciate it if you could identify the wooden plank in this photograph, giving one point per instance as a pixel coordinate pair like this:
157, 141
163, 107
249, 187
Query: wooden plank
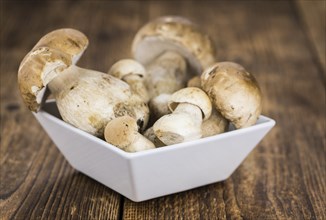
36, 181
284, 177
312, 14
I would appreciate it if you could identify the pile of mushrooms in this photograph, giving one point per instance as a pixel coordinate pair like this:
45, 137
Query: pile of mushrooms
172, 91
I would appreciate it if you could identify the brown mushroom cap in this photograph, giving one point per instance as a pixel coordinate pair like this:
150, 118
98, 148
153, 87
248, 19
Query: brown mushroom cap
52, 54
192, 95
127, 67
121, 131
68, 40
172, 33
39, 67
234, 92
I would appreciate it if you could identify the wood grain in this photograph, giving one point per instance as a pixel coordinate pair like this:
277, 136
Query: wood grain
312, 15
36, 181
276, 180
278, 41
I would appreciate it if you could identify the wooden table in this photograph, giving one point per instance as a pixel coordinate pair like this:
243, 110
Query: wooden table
281, 42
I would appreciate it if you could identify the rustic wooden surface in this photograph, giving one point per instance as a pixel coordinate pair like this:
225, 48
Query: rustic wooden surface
281, 42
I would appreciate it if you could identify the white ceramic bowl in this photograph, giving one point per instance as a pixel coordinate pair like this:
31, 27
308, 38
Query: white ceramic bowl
153, 173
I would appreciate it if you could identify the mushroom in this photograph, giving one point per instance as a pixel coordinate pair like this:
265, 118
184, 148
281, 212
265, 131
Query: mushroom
216, 123
189, 106
48, 50
166, 75
150, 135
170, 47
133, 73
159, 106
194, 82
85, 98
234, 92
123, 133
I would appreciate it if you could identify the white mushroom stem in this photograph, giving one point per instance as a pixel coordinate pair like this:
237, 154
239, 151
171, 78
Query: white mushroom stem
88, 99
136, 83
159, 105
215, 124
65, 80
184, 124
150, 135
166, 74
140, 143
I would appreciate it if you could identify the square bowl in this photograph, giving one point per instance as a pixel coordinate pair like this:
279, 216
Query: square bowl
157, 172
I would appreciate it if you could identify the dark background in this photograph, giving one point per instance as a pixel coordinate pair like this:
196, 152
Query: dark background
281, 42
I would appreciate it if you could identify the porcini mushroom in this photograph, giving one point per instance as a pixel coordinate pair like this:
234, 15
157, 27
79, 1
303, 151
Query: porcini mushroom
123, 133
166, 75
133, 73
150, 135
216, 123
234, 92
85, 98
169, 47
159, 106
48, 59
189, 106
194, 82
